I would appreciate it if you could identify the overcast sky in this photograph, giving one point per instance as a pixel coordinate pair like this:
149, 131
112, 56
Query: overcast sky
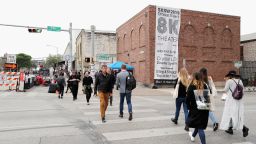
104, 14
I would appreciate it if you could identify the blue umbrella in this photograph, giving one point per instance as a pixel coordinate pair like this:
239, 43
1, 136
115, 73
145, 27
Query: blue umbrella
118, 65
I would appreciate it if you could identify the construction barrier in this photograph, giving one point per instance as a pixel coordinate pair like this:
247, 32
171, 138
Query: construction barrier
9, 80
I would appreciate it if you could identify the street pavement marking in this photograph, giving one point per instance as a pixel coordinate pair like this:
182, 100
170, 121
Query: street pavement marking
153, 100
244, 143
91, 107
117, 112
124, 135
145, 119
25, 127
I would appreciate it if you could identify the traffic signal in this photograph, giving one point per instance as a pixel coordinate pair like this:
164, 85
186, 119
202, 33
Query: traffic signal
34, 30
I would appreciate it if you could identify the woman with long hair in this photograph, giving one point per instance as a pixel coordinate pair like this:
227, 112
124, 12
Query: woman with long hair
181, 85
209, 82
197, 118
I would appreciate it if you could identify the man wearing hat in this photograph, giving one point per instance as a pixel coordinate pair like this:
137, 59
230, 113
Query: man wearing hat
233, 113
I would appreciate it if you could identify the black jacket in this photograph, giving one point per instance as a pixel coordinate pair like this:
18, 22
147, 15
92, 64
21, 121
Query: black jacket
102, 83
112, 81
196, 118
87, 80
182, 89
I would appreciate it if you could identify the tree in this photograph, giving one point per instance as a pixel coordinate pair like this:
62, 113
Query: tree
23, 60
51, 60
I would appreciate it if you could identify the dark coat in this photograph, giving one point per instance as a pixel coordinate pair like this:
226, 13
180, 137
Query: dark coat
196, 118
102, 83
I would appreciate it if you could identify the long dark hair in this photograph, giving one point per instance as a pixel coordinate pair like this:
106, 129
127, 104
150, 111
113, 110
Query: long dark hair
198, 81
204, 74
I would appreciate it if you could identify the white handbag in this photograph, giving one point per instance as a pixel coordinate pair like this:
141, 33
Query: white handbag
176, 90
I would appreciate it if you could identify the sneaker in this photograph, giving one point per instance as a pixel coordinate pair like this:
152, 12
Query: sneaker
174, 121
215, 126
103, 120
191, 136
130, 117
229, 131
245, 131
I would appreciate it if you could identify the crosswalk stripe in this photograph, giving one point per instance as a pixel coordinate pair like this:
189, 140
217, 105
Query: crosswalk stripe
113, 136
145, 119
91, 107
117, 112
244, 143
153, 100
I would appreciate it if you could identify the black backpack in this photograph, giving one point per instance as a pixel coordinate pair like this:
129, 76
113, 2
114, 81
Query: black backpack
238, 92
130, 82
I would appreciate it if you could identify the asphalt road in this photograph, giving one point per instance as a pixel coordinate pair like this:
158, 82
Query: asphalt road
36, 117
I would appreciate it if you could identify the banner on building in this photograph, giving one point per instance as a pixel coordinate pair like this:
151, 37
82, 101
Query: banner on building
166, 43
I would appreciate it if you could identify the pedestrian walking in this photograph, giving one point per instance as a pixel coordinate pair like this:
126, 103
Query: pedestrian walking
112, 80
61, 84
68, 83
125, 90
74, 80
180, 93
102, 83
233, 113
197, 118
87, 82
213, 91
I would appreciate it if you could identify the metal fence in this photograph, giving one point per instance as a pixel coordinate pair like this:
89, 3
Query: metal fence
248, 73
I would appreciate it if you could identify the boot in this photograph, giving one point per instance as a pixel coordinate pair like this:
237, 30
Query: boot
215, 126
174, 120
103, 120
130, 117
111, 100
186, 128
245, 131
121, 115
229, 131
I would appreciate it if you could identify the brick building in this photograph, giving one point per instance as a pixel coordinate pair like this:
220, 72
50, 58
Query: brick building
205, 40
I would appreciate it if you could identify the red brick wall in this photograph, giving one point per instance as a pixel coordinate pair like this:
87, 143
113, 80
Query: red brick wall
206, 40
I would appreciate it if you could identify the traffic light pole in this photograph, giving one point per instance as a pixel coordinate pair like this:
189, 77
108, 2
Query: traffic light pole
70, 44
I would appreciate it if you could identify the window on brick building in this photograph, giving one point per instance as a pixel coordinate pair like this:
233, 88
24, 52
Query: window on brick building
142, 37
125, 43
241, 53
209, 37
226, 38
133, 40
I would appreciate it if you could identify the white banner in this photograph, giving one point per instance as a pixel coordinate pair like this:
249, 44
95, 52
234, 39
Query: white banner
166, 43
11, 58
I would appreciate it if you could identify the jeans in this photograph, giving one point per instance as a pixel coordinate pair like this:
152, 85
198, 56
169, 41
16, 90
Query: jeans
74, 91
128, 100
180, 101
201, 135
61, 88
212, 117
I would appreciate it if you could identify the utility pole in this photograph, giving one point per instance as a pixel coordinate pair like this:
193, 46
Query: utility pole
70, 44
92, 40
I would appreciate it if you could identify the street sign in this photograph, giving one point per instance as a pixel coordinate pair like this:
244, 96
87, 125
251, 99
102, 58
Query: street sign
238, 64
53, 28
10, 66
104, 57
11, 58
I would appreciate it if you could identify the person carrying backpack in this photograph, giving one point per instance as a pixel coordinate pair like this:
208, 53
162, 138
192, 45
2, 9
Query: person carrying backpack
126, 82
233, 113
